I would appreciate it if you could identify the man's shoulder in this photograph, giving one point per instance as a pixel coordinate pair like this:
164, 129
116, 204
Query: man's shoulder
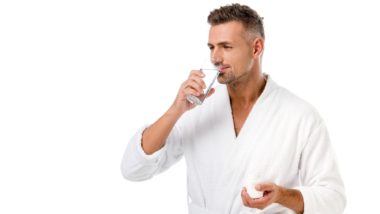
290, 103
288, 98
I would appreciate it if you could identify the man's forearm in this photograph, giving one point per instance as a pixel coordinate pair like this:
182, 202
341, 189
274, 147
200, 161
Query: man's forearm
292, 199
154, 136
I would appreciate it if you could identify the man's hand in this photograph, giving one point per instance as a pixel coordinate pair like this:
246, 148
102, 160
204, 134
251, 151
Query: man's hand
273, 193
154, 136
193, 85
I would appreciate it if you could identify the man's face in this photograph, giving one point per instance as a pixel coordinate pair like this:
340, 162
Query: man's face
232, 50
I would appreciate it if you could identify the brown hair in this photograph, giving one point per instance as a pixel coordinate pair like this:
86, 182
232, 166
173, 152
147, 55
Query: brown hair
241, 13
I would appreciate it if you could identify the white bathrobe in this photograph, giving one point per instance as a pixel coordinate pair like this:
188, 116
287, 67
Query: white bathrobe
283, 140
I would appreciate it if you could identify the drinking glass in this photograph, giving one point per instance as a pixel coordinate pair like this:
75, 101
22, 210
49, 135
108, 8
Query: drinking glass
211, 73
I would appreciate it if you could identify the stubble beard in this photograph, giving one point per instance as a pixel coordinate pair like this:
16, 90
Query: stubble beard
226, 78
231, 79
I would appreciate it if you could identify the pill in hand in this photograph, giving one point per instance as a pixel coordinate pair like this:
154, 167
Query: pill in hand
252, 192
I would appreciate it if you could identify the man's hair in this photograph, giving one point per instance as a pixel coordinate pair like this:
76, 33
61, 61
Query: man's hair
241, 13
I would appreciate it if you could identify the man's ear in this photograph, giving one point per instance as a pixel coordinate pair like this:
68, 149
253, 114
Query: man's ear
257, 47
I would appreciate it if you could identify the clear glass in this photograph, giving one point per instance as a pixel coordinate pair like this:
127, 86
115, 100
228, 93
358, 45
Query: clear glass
211, 74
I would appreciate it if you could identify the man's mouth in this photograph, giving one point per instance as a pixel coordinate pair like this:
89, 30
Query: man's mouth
222, 68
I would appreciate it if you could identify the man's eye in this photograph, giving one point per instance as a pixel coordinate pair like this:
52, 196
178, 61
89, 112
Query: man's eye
211, 48
227, 47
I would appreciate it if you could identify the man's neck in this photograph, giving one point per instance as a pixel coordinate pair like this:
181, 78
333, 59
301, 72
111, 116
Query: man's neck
245, 93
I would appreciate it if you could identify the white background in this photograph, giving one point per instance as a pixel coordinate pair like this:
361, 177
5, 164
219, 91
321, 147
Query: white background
78, 78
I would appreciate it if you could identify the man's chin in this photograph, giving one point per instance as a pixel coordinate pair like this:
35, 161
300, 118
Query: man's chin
222, 80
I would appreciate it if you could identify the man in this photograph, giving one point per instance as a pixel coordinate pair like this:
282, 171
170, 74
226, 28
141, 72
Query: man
248, 128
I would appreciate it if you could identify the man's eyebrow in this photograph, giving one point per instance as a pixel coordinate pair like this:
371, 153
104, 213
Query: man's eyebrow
219, 44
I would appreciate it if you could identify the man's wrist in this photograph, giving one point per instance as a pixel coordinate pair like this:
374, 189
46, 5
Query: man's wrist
281, 195
174, 112
291, 198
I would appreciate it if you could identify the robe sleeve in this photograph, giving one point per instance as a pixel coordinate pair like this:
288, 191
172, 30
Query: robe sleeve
136, 165
322, 187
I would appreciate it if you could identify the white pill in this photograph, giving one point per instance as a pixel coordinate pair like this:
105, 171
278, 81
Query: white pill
252, 192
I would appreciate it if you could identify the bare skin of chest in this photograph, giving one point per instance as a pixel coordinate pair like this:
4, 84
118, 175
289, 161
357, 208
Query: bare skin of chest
239, 117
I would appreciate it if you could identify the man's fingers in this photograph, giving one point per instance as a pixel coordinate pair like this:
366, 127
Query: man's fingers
198, 80
212, 90
265, 187
262, 201
259, 203
247, 200
191, 91
244, 197
198, 73
194, 85
197, 76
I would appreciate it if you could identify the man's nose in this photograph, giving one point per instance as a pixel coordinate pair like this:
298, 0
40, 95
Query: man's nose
216, 58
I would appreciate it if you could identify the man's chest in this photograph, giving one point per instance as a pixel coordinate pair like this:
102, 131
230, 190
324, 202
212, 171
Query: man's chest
239, 116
